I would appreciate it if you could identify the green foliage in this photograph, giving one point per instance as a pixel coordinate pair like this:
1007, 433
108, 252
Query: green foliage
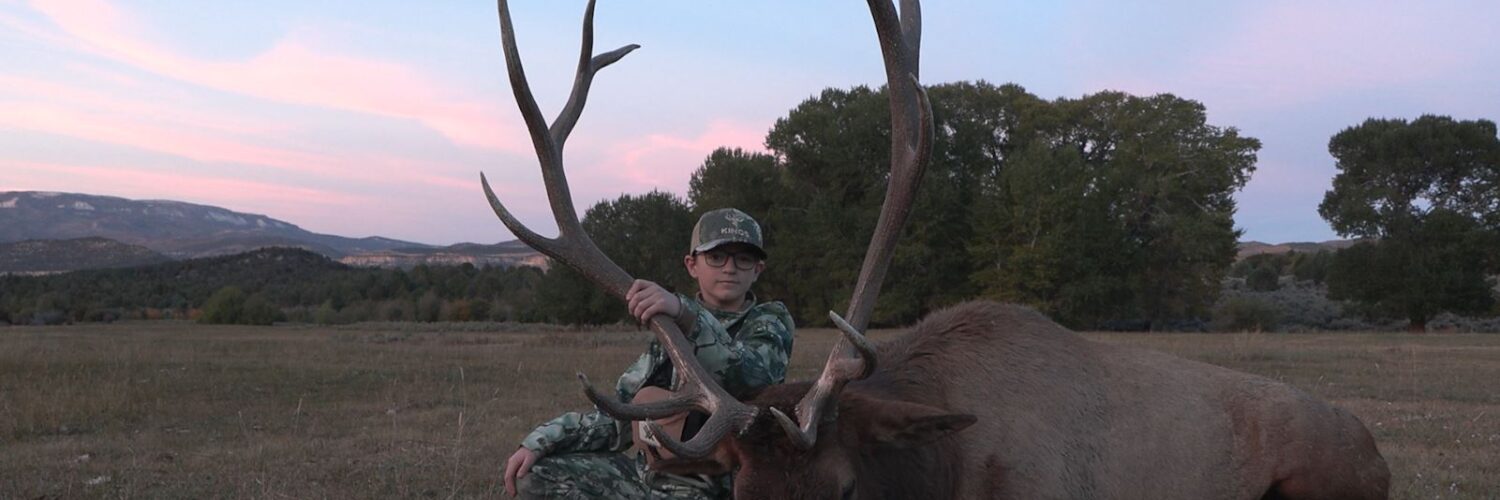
267, 285
1312, 266
734, 178
224, 307
259, 310
1111, 207
326, 314
1264, 279
1242, 314
1440, 267
1102, 209
643, 234
1429, 191
1099, 209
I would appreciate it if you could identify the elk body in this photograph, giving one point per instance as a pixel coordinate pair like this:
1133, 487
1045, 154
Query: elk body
979, 401
1055, 415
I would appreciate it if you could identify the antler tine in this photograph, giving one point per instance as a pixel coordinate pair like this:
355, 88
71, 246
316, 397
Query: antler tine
549, 142
911, 127
852, 357
588, 64
911, 33
574, 247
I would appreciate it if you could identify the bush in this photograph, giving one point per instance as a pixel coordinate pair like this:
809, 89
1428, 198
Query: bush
1263, 279
51, 317
259, 311
1240, 314
224, 307
326, 314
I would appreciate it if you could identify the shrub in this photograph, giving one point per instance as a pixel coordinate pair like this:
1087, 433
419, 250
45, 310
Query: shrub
259, 311
326, 314
224, 307
1239, 314
1263, 279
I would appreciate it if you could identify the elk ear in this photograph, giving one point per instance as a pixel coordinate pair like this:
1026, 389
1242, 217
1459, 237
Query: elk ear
901, 424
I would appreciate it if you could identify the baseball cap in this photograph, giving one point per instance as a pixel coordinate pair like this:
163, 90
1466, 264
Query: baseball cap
724, 226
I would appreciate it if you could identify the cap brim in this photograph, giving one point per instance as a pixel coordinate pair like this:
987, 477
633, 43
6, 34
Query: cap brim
725, 241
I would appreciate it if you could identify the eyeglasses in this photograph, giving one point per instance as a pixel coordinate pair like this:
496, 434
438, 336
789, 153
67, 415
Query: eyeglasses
742, 261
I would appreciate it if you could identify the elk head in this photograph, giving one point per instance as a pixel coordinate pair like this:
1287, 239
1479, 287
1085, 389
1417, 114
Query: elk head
794, 440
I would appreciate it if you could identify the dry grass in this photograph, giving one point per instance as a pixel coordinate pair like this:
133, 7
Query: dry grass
176, 410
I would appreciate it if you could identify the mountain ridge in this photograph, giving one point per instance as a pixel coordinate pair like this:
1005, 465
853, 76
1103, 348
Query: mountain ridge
182, 230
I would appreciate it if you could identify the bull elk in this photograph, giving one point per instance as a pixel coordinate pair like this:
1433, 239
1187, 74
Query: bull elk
982, 400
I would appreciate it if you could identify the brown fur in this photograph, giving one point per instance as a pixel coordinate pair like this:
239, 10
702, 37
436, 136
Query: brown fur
1056, 416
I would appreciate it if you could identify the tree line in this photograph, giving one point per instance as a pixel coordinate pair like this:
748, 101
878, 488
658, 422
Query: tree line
1106, 211
273, 284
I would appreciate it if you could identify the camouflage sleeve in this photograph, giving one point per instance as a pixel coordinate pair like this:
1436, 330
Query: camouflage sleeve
574, 431
591, 430
756, 359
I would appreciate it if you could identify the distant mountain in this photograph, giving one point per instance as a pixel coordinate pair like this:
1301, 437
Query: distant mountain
185, 230
177, 229
1249, 248
51, 256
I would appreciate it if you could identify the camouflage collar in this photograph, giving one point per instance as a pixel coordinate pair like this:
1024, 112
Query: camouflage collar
729, 318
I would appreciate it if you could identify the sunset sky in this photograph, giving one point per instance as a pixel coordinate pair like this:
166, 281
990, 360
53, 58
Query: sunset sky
376, 117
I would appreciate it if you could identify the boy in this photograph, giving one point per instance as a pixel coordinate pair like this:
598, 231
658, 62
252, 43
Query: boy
744, 344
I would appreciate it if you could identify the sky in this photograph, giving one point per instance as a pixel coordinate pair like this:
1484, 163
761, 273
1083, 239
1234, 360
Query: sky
376, 117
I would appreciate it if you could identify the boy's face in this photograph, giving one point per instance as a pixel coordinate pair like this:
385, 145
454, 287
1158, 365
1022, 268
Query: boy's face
724, 286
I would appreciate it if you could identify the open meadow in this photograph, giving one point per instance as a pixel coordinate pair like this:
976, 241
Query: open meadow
180, 410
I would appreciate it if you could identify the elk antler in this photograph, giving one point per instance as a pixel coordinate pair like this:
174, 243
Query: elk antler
574, 248
911, 147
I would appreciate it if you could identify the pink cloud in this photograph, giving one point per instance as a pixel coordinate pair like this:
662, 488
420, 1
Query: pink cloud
665, 161
113, 129
118, 101
292, 72
187, 131
230, 193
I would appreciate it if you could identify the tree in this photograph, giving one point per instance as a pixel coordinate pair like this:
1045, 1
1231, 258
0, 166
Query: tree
224, 307
1312, 266
735, 178
258, 310
1264, 279
1112, 207
647, 235
1427, 193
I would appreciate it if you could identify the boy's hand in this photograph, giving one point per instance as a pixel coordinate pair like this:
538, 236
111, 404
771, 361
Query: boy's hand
517, 467
646, 299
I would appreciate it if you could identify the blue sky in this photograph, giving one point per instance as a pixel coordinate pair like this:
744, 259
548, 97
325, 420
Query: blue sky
375, 118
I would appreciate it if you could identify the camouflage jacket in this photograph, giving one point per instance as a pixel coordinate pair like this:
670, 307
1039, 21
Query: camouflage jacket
743, 350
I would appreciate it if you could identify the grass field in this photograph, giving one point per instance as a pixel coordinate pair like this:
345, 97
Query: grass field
178, 410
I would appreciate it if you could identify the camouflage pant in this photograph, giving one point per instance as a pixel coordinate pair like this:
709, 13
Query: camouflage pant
613, 476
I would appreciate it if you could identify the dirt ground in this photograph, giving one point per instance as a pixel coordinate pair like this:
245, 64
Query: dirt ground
179, 410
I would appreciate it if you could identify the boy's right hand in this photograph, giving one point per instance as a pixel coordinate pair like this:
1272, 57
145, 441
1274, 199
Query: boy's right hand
646, 299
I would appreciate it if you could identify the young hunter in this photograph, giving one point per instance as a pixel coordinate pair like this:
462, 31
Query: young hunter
744, 344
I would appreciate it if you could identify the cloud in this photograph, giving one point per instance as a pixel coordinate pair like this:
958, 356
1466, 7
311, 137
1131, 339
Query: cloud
294, 72
183, 129
235, 194
667, 161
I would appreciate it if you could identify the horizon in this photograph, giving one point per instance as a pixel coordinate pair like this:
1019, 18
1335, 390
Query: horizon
364, 120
